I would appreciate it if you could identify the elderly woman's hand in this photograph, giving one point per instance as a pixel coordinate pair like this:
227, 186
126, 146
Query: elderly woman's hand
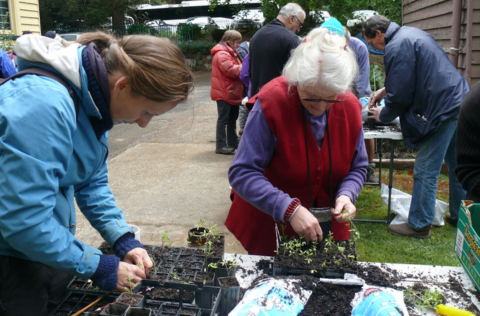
305, 224
342, 203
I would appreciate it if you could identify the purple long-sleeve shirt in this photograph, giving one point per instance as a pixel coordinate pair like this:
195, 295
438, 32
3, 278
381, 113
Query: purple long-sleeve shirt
244, 75
255, 151
363, 78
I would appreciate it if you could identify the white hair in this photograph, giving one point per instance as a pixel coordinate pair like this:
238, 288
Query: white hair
291, 8
323, 58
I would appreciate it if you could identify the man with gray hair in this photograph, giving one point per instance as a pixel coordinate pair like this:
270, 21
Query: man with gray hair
270, 47
425, 90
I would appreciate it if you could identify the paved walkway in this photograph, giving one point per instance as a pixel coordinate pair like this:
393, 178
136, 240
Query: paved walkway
170, 178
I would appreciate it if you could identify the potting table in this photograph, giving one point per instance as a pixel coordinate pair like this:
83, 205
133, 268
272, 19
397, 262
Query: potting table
430, 276
380, 133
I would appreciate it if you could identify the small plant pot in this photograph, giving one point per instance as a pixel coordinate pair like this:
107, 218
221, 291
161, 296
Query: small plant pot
229, 295
135, 300
117, 309
197, 236
221, 272
136, 311
203, 298
371, 123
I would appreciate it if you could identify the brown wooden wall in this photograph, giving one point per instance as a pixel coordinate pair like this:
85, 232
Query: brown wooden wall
436, 18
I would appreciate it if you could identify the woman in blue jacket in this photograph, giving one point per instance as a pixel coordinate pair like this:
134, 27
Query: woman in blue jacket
52, 152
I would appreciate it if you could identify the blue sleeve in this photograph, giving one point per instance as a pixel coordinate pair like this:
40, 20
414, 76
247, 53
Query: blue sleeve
247, 174
8, 69
400, 66
96, 201
38, 143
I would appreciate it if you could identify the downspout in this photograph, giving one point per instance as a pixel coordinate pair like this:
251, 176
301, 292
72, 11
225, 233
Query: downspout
468, 44
456, 23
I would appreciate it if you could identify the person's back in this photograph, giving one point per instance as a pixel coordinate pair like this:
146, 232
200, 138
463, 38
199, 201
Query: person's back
271, 46
429, 83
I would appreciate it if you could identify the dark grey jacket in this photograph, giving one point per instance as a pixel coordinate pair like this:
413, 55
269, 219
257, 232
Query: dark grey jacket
270, 50
423, 87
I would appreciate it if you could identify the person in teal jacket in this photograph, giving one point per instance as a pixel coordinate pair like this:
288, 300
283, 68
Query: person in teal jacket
52, 153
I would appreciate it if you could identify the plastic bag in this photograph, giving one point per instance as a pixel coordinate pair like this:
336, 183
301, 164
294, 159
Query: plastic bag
272, 297
400, 205
378, 301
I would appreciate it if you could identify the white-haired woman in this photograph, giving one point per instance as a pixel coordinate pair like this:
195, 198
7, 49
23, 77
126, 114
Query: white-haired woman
302, 150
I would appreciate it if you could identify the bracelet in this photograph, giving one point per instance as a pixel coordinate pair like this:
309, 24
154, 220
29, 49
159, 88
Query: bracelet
291, 209
291, 216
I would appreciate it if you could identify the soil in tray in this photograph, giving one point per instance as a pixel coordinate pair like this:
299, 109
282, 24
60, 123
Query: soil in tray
329, 299
296, 253
170, 295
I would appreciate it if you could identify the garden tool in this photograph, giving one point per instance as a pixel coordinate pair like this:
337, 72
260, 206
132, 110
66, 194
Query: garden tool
452, 311
348, 280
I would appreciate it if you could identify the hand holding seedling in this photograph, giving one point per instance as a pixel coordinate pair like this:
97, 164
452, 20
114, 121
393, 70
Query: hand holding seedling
128, 274
305, 224
344, 209
140, 257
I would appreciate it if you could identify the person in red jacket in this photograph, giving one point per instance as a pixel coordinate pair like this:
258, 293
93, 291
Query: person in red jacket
227, 90
302, 160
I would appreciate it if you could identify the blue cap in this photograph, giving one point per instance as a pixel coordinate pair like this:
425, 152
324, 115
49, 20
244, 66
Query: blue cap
333, 25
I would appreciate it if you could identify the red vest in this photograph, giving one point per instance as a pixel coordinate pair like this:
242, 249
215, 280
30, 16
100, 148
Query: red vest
287, 170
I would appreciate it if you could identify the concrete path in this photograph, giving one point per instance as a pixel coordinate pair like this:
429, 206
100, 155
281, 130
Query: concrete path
167, 177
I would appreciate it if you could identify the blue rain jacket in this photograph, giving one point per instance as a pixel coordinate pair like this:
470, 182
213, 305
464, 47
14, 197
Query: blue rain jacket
48, 156
423, 87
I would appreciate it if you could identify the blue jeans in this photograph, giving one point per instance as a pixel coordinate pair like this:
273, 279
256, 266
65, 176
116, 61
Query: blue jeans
226, 125
431, 154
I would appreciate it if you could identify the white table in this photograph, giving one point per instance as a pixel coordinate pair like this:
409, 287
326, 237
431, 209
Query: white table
433, 277
384, 132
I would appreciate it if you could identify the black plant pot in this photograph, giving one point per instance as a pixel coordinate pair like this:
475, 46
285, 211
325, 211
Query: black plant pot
221, 272
229, 295
138, 298
117, 309
136, 311
204, 298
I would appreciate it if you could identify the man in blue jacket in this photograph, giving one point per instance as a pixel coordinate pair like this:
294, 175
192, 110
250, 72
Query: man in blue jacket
425, 90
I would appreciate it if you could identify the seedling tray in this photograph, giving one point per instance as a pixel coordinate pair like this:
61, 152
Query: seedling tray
76, 301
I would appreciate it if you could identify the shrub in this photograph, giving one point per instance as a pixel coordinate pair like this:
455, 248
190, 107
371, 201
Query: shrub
198, 48
141, 29
217, 35
189, 32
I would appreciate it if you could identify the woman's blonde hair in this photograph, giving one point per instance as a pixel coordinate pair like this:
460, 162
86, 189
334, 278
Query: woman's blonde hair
155, 67
323, 58
231, 36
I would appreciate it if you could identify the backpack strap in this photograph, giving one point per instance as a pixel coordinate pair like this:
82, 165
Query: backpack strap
48, 74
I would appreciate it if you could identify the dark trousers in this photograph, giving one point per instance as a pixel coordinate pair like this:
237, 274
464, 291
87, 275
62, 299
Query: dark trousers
226, 125
30, 288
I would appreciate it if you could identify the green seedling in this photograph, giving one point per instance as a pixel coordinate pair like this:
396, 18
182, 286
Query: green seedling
166, 241
422, 299
131, 286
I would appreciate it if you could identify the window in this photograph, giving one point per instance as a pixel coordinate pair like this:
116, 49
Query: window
4, 17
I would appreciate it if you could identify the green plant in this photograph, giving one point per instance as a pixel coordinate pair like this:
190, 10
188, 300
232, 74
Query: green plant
377, 80
166, 240
131, 286
217, 35
142, 29
423, 298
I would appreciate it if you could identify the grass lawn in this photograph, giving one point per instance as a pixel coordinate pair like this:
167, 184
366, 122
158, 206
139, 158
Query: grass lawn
376, 244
